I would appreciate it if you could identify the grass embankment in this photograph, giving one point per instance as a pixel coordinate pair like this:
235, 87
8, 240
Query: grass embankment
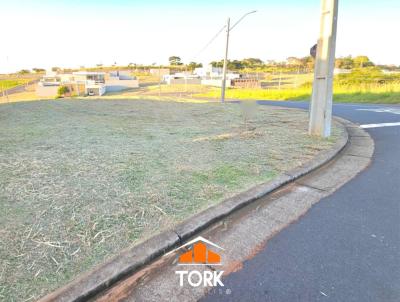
80, 179
361, 85
389, 94
7, 84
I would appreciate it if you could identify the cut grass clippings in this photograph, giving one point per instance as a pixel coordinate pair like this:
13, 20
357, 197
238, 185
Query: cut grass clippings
82, 179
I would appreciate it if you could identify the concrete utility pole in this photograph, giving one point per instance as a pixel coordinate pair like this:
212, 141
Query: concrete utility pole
159, 80
228, 30
223, 85
321, 102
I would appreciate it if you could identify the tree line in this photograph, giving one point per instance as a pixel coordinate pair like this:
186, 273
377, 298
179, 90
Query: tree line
291, 64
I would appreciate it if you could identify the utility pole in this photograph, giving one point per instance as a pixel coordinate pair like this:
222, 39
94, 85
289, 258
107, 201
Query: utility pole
223, 85
228, 30
159, 80
321, 102
186, 75
2, 90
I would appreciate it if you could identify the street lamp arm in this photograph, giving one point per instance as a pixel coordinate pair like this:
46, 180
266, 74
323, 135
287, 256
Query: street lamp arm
238, 21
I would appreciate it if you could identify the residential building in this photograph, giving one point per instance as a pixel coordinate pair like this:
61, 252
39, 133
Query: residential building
182, 78
121, 80
86, 83
159, 71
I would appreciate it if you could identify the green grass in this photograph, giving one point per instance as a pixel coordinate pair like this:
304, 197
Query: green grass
6, 84
82, 179
389, 94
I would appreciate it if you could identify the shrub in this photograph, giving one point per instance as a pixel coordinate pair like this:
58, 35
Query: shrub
62, 90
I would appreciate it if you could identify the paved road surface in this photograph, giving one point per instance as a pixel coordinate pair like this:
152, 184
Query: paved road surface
347, 247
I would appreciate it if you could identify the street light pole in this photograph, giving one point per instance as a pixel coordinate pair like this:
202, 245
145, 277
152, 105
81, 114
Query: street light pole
228, 30
322, 95
223, 85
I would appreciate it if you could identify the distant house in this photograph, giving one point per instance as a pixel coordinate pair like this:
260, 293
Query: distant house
209, 72
181, 78
85, 83
120, 80
159, 71
93, 82
212, 76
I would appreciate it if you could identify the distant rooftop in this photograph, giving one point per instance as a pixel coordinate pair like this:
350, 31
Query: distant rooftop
88, 73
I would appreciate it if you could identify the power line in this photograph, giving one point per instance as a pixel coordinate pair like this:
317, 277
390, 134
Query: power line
210, 42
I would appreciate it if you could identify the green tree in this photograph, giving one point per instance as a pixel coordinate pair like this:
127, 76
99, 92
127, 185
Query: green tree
252, 63
24, 71
365, 75
308, 63
362, 61
219, 64
38, 70
232, 65
293, 61
235, 65
344, 63
62, 90
193, 65
175, 60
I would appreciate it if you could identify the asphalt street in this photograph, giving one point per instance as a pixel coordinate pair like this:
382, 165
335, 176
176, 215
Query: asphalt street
347, 247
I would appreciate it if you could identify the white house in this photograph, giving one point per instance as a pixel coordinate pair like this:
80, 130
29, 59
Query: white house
181, 78
208, 72
120, 80
86, 83
212, 76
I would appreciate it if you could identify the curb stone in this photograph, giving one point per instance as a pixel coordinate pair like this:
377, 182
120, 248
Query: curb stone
135, 258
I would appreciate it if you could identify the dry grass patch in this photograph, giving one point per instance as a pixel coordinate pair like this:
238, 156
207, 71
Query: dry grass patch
80, 180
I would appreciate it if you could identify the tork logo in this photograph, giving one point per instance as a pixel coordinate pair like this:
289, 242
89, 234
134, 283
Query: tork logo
200, 254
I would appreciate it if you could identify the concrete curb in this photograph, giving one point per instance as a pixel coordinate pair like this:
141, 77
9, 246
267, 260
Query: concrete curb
133, 259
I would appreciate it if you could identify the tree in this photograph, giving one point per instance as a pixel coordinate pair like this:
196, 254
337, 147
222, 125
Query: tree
38, 70
62, 90
272, 63
24, 71
132, 65
308, 63
193, 65
175, 60
362, 61
293, 61
365, 75
55, 69
219, 64
344, 63
235, 65
252, 63
231, 65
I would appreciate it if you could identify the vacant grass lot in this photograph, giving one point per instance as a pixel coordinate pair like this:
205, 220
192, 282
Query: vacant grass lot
80, 180
380, 94
6, 84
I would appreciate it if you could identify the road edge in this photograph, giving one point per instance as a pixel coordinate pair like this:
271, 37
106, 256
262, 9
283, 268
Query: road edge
134, 258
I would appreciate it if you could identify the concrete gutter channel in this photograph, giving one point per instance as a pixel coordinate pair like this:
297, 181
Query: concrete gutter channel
133, 259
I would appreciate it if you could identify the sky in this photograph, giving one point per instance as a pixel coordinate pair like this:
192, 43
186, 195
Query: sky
72, 33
